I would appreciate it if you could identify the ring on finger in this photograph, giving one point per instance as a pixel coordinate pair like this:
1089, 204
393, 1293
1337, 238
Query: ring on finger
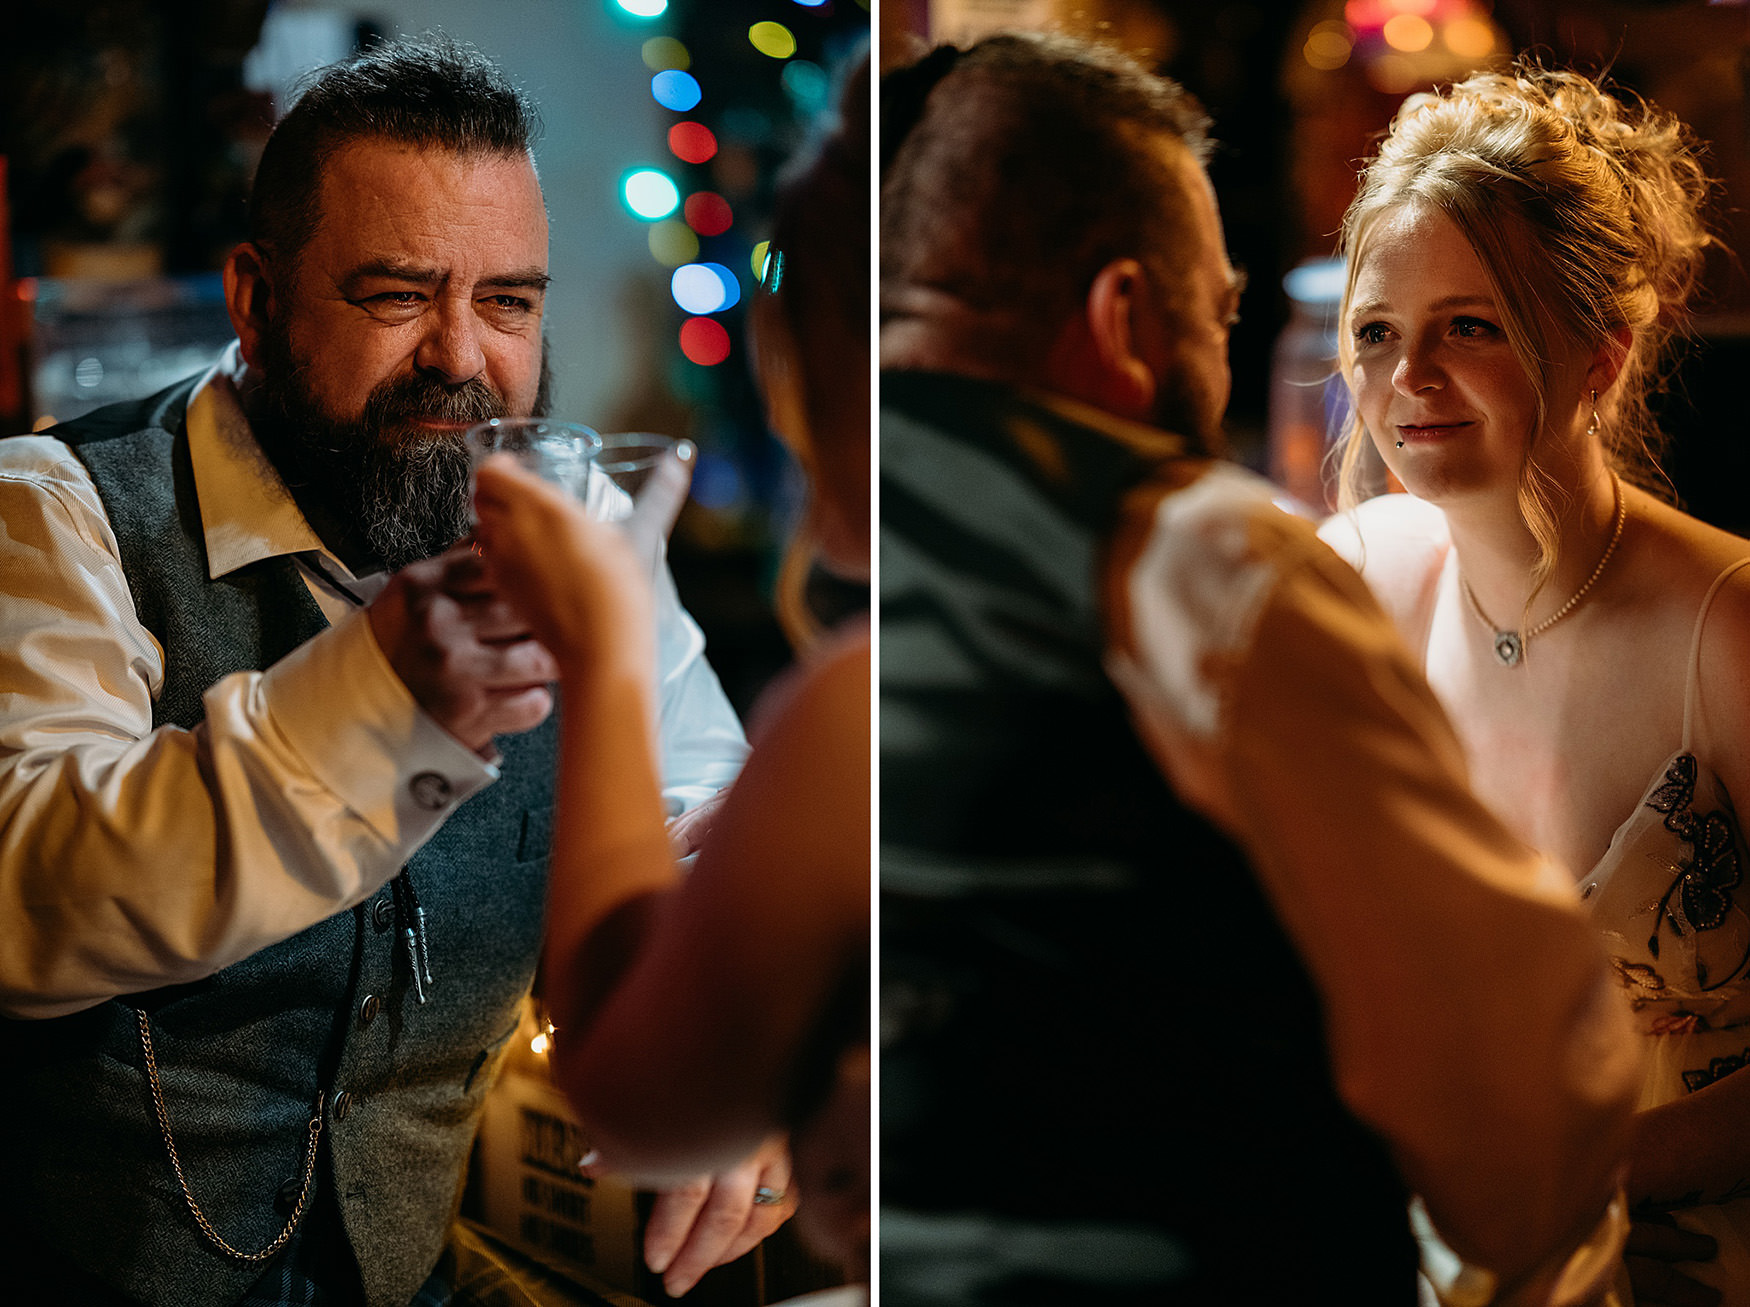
766, 1196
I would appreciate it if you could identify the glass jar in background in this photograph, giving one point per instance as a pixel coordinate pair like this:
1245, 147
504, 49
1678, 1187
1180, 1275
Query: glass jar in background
1309, 404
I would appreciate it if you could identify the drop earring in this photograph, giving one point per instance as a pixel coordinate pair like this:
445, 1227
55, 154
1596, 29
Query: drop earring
1592, 426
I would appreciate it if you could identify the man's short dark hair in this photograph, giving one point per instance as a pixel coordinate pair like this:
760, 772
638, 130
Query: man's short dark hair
1030, 162
428, 91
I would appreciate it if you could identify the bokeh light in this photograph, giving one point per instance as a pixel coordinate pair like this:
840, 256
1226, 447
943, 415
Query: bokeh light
643, 8
807, 84
1328, 46
664, 52
811, 4
758, 261
676, 90
708, 213
1471, 38
1408, 32
704, 341
772, 39
704, 288
673, 243
692, 142
650, 194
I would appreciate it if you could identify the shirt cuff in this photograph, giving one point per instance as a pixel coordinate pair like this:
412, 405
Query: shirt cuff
341, 707
1574, 1277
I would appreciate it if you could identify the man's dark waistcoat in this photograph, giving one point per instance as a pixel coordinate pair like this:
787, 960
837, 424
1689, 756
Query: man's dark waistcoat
244, 1053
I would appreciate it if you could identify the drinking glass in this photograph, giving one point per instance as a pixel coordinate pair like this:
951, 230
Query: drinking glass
556, 451
624, 466
626, 460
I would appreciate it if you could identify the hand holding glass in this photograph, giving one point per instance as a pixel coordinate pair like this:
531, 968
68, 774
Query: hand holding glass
640, 480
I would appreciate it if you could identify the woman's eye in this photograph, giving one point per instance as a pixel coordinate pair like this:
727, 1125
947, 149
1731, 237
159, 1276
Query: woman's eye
1371, 333
1472, 327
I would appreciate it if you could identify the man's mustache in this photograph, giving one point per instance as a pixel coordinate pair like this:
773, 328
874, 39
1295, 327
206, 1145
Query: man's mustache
408, 399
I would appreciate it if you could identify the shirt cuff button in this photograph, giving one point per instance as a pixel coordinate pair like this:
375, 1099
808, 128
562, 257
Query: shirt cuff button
430, 791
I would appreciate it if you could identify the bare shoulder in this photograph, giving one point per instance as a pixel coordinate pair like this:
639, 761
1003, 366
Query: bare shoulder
1399, 544
1684, 556
1692, 560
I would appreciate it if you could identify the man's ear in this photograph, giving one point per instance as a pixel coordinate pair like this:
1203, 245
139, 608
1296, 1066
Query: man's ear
1118, 291
249, 299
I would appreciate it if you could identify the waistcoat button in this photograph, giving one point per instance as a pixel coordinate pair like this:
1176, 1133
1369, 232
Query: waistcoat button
342, 1104
383, 913
368, 1009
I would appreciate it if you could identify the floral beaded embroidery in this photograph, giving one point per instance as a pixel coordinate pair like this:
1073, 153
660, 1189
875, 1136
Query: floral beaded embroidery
1706, 878
1718, 1068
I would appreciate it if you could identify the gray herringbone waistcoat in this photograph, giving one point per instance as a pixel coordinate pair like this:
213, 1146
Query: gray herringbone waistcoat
244, 1052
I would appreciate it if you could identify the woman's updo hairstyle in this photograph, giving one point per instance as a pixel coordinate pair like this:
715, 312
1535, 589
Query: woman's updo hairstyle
1585, 208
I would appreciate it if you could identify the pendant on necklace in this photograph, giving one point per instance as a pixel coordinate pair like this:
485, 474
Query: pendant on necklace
1508, 647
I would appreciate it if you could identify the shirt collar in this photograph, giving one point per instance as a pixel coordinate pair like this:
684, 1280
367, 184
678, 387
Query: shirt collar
247, 514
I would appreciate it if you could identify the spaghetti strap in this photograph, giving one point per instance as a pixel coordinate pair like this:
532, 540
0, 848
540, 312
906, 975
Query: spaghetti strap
1691, 688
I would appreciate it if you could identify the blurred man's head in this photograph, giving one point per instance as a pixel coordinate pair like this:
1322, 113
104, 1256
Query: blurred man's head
1045, 219
391, 293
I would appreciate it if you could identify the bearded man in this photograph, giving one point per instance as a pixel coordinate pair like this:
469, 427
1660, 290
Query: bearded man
275, 771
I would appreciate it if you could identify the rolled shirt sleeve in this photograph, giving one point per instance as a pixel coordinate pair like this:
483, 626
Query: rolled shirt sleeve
1469, 1014
134, 857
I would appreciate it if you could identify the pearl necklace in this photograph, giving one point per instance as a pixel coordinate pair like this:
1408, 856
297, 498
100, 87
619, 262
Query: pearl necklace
1510, 645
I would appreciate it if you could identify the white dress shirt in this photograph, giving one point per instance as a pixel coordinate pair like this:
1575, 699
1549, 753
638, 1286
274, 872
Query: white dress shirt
132, 858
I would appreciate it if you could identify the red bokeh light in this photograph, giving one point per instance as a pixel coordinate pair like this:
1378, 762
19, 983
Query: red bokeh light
704, 341
692, 142
708, 213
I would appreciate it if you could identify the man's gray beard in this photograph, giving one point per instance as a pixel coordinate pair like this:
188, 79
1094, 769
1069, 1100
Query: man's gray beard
411, 502
401, 490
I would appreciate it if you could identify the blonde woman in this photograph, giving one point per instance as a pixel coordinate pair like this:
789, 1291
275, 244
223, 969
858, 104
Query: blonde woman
1520, 254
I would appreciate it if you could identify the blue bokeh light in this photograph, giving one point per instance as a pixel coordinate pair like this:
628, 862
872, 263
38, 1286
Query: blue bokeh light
701, 288
676, 90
